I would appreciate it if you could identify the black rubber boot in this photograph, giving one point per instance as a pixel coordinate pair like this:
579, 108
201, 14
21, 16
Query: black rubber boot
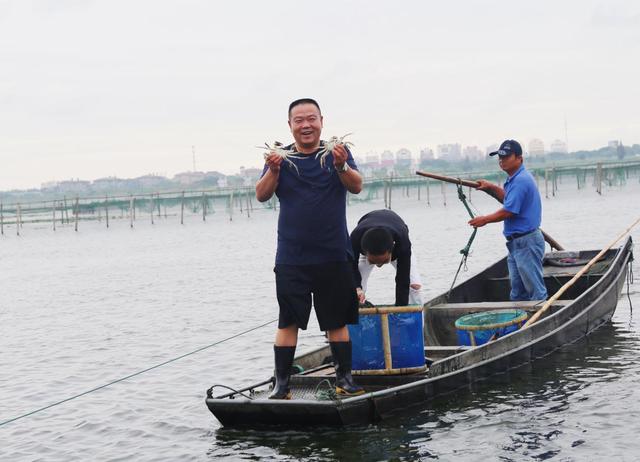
345, 385
284, 360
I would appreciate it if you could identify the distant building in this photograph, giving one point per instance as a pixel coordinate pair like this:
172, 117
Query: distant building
536, 147
187, 178
74, 186
558, 146
49, 186
403, 158
450, 152
387, 159
251, 173
371, 160
110, 183
426, 154
472, 153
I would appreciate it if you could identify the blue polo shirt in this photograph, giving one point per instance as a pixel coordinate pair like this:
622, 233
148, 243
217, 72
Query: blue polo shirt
312, 225
521, 197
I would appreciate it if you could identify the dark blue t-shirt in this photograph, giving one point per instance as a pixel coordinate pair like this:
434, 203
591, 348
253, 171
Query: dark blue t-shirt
312, 225
521, 197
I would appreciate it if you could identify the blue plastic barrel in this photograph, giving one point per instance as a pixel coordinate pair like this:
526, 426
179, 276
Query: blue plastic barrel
478, 328
406, 341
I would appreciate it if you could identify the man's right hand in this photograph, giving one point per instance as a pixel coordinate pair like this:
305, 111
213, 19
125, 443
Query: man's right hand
273, 161
361, 296
484, 185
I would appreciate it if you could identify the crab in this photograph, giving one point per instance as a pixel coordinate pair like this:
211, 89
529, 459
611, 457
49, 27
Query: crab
286, 154
330, 144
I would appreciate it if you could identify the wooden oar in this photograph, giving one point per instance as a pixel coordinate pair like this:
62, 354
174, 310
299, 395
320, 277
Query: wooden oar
586, 268
474, 184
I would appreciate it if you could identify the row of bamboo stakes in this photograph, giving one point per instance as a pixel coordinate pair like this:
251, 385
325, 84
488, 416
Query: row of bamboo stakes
60, 208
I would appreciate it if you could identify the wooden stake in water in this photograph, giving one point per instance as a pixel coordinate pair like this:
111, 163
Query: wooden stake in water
428, 194
444, 194
18, 221
152, 207
54, 215
1, 220
546, 183
66, 209
106, 209
204, 207
77, 211
182, 209
131, 211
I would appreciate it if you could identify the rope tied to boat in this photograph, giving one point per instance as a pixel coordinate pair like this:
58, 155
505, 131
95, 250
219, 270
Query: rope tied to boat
467, 248
329, 394
210, 391
629, 282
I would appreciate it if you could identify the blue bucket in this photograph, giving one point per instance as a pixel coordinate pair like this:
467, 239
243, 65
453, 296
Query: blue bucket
405, 339
478, 328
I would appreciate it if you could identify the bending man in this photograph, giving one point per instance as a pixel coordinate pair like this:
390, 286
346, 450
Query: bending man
382, 237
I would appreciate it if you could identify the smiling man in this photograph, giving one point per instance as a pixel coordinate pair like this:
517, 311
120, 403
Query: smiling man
522, 214
382, 237
313, 254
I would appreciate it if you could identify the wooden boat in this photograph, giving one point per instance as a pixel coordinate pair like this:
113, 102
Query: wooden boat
587, 304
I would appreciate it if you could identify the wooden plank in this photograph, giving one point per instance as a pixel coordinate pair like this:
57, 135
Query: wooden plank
481, 306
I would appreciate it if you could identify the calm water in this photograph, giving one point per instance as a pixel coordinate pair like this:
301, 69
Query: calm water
78, 310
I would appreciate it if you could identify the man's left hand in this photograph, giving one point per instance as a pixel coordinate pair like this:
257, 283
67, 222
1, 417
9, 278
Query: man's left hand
479, 222
340, 156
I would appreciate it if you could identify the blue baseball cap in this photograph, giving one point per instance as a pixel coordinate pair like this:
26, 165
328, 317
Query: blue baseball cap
507, 148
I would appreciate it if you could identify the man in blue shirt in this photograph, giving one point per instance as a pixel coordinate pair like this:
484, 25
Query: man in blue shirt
522, 214
314, 251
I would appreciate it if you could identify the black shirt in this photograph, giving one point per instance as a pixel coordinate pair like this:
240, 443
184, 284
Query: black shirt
401, 250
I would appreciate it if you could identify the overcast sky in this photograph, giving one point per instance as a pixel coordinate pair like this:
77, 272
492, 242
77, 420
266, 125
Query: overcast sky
124, 88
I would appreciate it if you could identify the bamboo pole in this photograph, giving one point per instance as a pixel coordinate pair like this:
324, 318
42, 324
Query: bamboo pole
204, 208
386, 341
131, 212
546, 183
384, 185
66, 209
54, 215
389, 310
182, 209
474, 184
1, 219
158, 204
152, 207
18, 223
106, 209
428, 194
77, 212
586, 268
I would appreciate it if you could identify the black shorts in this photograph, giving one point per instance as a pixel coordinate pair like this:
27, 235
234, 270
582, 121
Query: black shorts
334, 294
